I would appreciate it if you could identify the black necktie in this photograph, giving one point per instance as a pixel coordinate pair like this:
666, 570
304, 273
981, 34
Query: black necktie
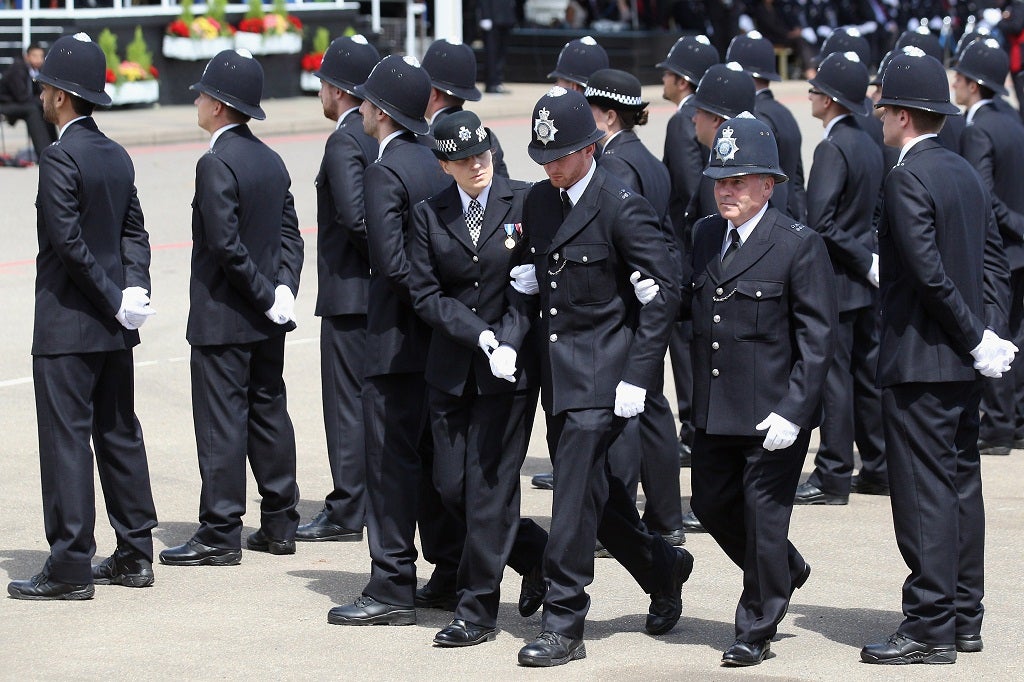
566, 204
734, 246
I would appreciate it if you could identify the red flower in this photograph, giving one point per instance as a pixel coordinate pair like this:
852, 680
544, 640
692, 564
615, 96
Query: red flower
152, 70
295, 22
251, 25
312, 61
178, 28
111, 78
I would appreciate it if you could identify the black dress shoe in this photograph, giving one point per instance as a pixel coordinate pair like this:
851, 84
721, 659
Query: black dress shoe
801, 579
498, 90
551, 648
544, 481
195, 553
322, 529
463, 633
863, 487
532, 591
427, 597
986, 447
261, 542
42, 587
969, 644
691, 524
369, 611
808, 493
675, 537
746, 653
124, 568
685, 455
667, 605
600, 552
901, 650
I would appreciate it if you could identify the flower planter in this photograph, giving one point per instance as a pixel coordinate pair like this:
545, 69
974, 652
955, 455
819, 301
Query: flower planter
190, 49
133, 92
308, 82
262, 43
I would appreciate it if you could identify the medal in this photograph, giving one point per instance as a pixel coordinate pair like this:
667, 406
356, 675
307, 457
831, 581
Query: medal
510, 241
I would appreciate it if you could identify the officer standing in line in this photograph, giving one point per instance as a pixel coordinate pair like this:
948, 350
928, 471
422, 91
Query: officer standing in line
923, 39
943, 292
601, 352
246, 259
848, 39
993, 143
343, 276
92, 285
685, 158
842, 192
398, 443
763, 308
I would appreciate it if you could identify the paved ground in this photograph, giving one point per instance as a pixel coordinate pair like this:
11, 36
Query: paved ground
266, 619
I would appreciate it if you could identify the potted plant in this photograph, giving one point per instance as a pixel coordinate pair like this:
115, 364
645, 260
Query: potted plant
311, 61
274, 32
134, 80
193, 38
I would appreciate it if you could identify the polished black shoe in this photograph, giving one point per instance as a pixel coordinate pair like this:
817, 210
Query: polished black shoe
986, 447
801, 579
428, 597
544, 481
261, 542
899, 649
807, 493
532, 591
676, 537
124, 568
322, 529
600, 552
463, 633
667, 605
369, 611
862, 487
685, 455
41, 587
691, 524
551, 648
195, 553
746, 653
969, 644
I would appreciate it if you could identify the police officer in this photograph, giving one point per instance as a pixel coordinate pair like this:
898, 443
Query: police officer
995, 146
848, 39
601, 352
920, 37
92, 285
246, 258
577, 60
763, 308
842, 191
343, 275
942, 295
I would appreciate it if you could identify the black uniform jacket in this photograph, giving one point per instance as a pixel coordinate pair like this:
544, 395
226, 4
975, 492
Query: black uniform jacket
245, 241
92, 244
685, 159
792, 199
762, 330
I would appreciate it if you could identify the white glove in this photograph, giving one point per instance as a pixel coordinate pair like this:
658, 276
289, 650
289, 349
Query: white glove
283, 310
936, 23
808, 34
745, 23
868, 27
824, 31
645, 289
629, 400
486, 24
487, 341
873, 271
993, 356
781, 432
134, 308
991, 16
503, 363
524, 279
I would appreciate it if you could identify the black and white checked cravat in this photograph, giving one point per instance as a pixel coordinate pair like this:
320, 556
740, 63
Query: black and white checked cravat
474, 220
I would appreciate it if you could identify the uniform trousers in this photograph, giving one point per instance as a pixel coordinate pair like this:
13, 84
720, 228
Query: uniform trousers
743, 496
682, 376
41, 131
342, 359
1002, 403
589, 504
78, 397
240, 410
480, 443
931, 432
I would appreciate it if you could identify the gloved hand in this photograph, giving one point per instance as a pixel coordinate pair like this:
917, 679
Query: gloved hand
781, 432
644, 289
991, 16
487, 341
486, 24
745, 23
873, 271
993, 356
629, 400
524, 279
867, 28
935, 23
503, 363
134, 308
824, 31
283, 310
808, 34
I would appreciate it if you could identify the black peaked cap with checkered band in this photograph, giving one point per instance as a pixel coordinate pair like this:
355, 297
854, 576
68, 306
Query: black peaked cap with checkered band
460, 135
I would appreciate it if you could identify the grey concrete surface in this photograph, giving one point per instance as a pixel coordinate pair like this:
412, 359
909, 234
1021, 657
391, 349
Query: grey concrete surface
266, 619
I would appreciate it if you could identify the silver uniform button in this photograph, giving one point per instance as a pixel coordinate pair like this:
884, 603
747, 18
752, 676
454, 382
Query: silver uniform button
476, 259
719, 291
553, 312
716, 319
758, 294
714, 344
554, 285
714, 372
476, 285
533, 249
473, 309
555, 256
584, 259
553, 337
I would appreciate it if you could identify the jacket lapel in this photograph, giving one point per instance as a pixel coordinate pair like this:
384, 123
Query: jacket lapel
498, 203
756, 246
582, 213
449, 209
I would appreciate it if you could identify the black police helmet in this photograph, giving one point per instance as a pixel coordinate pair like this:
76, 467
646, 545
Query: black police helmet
235, 78
846, 39
886, 58
578, 59
348, 62
562, 124
744, 146
452, 69
460, 135
400, 88
844, 78
978, 33
690, 57
755, 54
725, 90
614, 89
986, 63
76, 65
913, 80
923, 38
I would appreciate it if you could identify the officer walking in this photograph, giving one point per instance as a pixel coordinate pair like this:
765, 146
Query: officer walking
92, 294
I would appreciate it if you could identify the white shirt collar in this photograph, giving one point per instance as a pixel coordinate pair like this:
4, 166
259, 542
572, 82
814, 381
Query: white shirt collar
577, 190
745, 229
974, 109
910, 145
832, 123
684, 101
482, 199
220, 131
68, 125
608, 141
344, 115
433, 117
384, 142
